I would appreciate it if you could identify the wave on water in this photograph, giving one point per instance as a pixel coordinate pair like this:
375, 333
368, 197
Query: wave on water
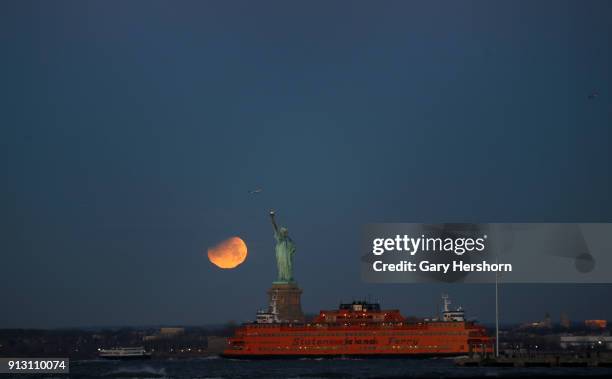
326, 359
207, 358
322, 375
453, 358
210, 358
145, 371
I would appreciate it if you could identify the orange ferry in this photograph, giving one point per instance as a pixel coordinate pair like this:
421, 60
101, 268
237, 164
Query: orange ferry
360, 329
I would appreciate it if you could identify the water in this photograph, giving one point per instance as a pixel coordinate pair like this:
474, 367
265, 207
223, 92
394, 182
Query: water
215, 367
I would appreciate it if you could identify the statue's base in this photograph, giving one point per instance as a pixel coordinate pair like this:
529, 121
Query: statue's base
287, 296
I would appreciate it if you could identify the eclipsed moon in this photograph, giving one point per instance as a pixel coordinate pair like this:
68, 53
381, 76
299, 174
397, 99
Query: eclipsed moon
229, 253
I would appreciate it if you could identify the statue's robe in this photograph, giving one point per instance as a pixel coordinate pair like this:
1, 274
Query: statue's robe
285, 249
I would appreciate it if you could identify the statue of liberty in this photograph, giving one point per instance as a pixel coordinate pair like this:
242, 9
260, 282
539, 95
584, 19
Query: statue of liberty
285, 249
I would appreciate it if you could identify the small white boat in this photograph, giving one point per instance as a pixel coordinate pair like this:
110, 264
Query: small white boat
124, 353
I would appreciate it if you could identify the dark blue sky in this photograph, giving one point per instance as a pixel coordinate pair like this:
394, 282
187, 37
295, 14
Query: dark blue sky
130, 133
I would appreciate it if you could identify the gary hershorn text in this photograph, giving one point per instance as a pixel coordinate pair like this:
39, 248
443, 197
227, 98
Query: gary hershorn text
455, 266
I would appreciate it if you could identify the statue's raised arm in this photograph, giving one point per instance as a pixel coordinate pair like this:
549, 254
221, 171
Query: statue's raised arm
272, 213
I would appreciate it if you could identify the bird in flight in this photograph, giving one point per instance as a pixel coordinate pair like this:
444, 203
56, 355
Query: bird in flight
255, 191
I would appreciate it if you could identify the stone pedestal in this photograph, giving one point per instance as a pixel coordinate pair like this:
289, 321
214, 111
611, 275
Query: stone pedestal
287, 297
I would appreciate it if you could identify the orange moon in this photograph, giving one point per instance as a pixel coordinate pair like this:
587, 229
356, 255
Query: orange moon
229, 253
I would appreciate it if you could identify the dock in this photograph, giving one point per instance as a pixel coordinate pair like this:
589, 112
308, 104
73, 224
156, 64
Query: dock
538, 360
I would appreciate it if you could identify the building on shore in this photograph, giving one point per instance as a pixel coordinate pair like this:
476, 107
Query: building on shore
586, 342
596, 324
565, 321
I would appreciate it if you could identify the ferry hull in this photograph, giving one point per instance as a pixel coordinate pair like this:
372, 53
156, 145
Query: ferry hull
340, 356
360, 330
